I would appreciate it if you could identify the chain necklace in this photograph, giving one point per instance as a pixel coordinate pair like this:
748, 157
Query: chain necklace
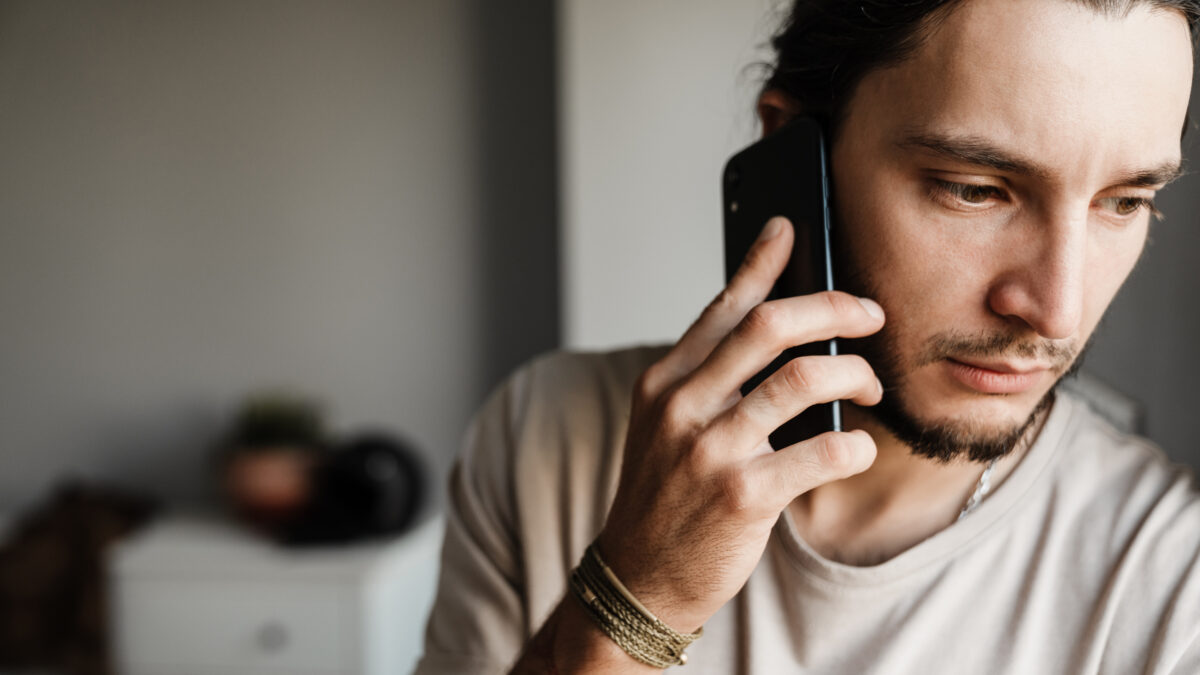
981, 489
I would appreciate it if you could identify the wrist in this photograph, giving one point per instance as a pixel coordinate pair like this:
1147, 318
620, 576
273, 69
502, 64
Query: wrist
579, 646
623, 618
671, 607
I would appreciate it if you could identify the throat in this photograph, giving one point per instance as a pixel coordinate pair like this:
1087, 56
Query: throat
864, 521
899, 502
862, 540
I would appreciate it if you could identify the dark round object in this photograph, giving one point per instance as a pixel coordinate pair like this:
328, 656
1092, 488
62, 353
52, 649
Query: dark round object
368, 486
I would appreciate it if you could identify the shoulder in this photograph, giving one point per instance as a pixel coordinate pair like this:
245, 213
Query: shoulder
562, 389
1126, 476
1136, 513
587, 373
586, 393
1125, 483
560, 422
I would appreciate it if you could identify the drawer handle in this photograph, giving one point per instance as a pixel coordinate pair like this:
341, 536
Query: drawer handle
273, 637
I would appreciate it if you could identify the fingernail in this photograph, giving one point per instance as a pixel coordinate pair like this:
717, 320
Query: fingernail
872, 307
772, 230
879, 384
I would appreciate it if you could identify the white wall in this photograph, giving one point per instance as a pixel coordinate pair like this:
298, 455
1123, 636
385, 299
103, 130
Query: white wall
198, 199
654, 99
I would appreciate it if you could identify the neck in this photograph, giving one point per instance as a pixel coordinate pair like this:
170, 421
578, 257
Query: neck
899, 502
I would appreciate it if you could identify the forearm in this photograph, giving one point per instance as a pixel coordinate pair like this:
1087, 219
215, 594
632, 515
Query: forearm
570, 643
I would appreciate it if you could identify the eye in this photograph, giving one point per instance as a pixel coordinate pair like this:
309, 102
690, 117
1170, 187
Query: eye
967, 193
1128, 206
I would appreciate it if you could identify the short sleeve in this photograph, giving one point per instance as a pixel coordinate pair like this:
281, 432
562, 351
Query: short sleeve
1161, 605
538, 471
477, 622
1189, 662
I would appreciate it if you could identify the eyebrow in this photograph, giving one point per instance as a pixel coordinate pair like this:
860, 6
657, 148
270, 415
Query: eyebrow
981, 152
1164, 173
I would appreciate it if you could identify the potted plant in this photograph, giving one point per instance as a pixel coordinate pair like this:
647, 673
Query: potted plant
268, 456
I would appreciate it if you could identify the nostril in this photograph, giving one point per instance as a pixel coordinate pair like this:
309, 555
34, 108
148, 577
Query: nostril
1052, 311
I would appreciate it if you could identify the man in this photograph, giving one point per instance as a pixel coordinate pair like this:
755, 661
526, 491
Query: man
994, 165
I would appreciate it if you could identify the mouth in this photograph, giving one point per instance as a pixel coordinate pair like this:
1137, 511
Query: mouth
997, 377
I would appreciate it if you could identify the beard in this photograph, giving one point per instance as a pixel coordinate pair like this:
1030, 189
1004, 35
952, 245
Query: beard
947, 440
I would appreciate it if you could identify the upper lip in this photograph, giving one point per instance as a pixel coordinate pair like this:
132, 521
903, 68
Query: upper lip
1006, 367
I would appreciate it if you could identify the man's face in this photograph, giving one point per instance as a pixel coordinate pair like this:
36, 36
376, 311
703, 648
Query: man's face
993, 195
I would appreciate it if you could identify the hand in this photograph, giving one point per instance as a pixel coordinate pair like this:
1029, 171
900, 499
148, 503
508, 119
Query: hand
700, 486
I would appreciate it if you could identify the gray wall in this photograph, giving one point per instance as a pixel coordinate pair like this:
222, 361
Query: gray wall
201, 199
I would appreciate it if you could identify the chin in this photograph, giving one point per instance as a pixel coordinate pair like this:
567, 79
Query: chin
945, 423
959, 395
996, 412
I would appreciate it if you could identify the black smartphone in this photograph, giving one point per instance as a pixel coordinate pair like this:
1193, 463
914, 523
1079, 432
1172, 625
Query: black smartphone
786, 174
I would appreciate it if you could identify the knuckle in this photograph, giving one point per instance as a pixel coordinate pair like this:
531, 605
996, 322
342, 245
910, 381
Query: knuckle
742, 414
800, 375
841, 453
706, 453
736, 490
677, 409
836, 454
725, 302
646, 387
842, 304
764, 319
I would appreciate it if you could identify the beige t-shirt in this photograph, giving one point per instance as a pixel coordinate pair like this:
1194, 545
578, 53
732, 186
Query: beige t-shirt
1084, 560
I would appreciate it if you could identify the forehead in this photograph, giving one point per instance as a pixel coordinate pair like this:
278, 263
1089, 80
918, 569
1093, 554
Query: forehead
1078, 88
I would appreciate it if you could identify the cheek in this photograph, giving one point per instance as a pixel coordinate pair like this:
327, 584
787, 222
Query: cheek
910, 253
924, 277
1111, 258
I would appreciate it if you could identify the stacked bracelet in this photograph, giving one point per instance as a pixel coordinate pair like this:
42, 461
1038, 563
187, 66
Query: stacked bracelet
633, 627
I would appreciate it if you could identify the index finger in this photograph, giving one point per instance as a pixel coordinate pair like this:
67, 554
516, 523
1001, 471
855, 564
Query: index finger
772, 327
749, 286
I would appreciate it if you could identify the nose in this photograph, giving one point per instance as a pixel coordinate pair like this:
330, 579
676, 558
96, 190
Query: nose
1042, 275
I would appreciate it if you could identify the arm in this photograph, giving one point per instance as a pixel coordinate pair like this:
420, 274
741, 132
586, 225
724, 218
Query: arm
700, 487
569, 642
477, 624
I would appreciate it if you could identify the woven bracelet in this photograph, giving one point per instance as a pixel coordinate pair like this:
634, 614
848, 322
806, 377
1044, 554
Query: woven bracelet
625, 620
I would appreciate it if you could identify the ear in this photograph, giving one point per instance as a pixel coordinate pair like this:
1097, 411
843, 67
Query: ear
775, 109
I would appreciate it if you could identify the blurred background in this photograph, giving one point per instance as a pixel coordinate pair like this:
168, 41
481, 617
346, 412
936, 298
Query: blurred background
387, 206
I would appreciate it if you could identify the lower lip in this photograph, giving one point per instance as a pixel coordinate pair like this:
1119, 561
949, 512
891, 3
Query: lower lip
993, 382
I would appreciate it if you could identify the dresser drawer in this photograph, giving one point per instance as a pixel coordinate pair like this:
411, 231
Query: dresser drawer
244, 625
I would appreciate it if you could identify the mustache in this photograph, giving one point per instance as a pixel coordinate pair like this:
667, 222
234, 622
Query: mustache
1059, 355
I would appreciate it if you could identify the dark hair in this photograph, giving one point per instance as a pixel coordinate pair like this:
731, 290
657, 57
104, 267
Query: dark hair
825, 47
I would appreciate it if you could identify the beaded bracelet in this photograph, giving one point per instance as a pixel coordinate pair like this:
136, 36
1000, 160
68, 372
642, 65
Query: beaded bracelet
625, 620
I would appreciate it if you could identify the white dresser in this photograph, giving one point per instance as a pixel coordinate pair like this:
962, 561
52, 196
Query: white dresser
196, 596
